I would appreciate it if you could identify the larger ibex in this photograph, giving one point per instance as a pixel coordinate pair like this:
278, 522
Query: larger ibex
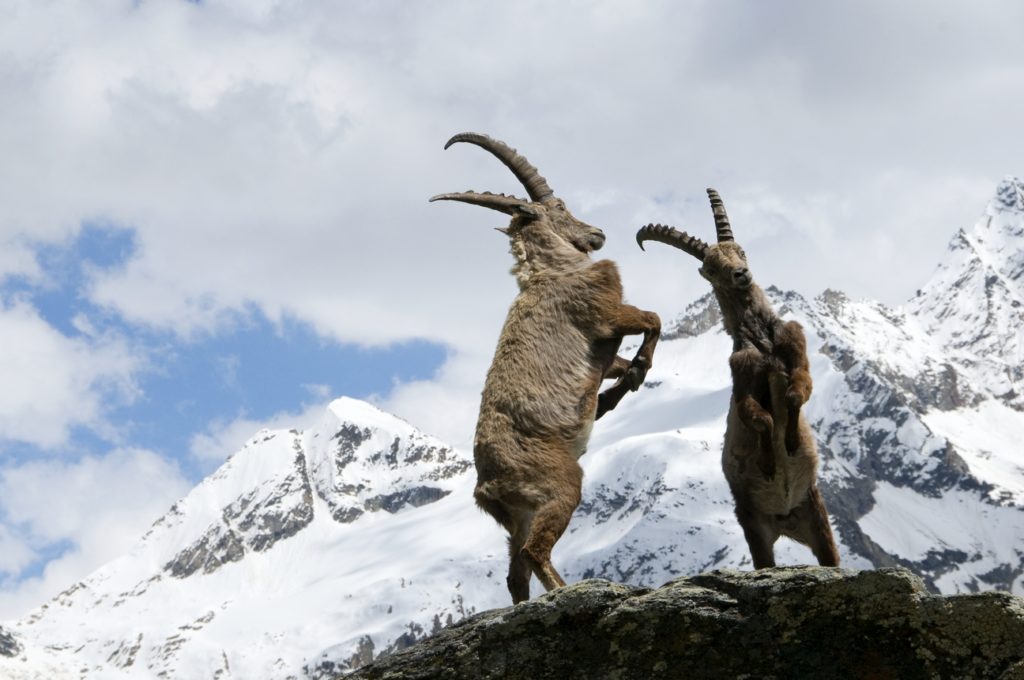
769, 456
559, 341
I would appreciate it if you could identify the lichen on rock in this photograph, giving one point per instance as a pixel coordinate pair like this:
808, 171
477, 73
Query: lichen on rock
792, 622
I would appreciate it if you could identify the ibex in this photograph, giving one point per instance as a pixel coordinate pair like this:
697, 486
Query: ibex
769, 456
559, 341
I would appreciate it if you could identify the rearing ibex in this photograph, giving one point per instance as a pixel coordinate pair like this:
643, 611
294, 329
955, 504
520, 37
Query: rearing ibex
559, 341
769, 457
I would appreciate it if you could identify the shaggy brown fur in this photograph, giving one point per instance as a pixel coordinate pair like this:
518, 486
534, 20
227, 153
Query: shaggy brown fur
540, 399
769, 457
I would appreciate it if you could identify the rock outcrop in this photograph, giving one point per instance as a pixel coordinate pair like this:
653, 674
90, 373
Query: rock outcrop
9, 646
809, 622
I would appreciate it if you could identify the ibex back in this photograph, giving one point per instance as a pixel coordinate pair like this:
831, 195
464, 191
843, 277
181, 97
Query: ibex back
769, 455
559, 341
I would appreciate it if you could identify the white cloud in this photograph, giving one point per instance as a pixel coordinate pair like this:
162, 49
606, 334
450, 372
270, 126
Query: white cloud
53, 382
98, 506
280, 158
15, 553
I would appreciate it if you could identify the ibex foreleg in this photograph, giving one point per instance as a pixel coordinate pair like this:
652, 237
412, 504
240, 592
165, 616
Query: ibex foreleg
778, 383
610, 398
746, 366
791, 348
630, 320
618, 368
633, 321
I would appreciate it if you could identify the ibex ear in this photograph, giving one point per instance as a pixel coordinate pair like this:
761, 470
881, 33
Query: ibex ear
703, 272
525, 210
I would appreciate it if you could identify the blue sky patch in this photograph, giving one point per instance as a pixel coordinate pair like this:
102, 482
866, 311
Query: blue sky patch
256, 371
66, 266
252, 369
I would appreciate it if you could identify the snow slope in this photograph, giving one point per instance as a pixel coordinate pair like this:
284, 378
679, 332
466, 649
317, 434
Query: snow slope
317, 550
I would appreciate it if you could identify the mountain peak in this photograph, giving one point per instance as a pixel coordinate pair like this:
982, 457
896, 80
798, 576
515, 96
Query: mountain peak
351, 410
974, 301
1009, 197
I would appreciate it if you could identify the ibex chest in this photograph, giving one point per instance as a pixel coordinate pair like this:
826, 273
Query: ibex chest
756, 331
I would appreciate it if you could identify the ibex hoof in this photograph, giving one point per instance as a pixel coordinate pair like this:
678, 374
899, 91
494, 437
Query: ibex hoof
635, 377
794, 401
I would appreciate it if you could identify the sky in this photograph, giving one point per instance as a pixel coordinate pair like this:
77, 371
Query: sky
214, 216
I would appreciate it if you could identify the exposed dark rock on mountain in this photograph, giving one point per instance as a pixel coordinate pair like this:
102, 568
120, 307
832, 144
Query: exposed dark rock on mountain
777, 623
255, 521
8, 645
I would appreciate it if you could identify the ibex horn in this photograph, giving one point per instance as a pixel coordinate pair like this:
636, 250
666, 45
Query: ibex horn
510, 205
679, 239
536, 186
721, 219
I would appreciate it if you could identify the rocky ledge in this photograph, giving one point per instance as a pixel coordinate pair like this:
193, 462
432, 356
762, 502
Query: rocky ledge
776, 623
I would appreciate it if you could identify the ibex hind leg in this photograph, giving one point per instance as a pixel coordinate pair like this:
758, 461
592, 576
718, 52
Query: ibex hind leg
518, 527
549, 524
518, 566
820, 539
812, 529
562, 491
760, 536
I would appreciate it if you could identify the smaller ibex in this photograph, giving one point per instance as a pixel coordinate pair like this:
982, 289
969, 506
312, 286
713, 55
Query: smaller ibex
769, 456
560, 340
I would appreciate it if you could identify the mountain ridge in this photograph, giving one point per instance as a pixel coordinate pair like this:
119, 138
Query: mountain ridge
312, 552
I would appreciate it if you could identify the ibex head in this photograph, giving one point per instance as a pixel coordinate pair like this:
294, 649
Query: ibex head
542, 228
724, 264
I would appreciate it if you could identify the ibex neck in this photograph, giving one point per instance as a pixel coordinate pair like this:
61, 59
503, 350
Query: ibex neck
748, 317
530, 263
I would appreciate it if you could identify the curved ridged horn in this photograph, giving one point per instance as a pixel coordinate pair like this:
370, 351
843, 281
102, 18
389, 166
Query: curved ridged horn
679, 239
721, 219
510, 205
536, 186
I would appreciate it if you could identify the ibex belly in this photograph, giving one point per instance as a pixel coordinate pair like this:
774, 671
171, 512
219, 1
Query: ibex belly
787, 490
793, 475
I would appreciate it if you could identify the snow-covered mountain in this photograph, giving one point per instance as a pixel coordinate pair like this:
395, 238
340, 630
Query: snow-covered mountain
313, 551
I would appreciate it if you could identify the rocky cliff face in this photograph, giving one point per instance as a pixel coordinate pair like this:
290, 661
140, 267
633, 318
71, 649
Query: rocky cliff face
806, 622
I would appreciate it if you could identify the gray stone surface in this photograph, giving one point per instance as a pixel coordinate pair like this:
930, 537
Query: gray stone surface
804, 622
